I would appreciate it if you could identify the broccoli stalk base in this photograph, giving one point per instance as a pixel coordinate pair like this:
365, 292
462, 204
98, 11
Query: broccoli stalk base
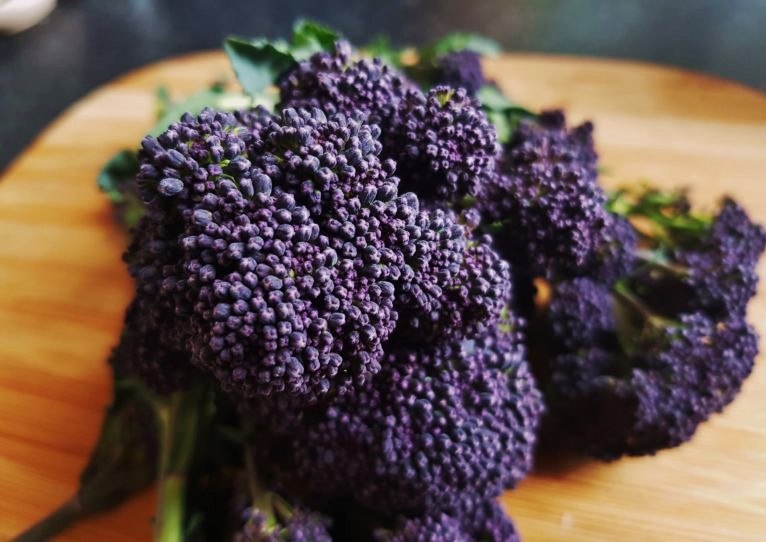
179, 419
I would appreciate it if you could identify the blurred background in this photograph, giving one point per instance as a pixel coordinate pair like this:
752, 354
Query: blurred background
85, 43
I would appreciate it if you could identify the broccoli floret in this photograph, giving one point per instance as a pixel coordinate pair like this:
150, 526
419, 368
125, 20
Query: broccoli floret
640, 364
443, 143
335, 83
611, 403
461, 69
286, 268
548, 210
581, 313
448, 419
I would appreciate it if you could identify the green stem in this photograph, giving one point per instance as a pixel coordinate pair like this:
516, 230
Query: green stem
178, 419
654, 259
170, 509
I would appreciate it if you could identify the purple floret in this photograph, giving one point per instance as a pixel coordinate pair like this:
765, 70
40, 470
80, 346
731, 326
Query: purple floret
335, 83
464, 303
443, 143
282, 267
461, 69
611, 403
449, 419
192, 157
302, 526
581, 314
147, 351
548, 207
613, 255
721, 270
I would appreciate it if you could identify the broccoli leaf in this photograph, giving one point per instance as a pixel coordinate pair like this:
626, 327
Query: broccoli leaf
310, 37
117, 181
501, 111
214, 97
258, 63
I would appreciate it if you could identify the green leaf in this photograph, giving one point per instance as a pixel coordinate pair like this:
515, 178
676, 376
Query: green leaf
492, 98
117, 181
213, 97
259, 63
310, 37
117, 173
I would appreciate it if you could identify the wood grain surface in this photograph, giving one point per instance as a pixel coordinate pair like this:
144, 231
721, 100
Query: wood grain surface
63, 290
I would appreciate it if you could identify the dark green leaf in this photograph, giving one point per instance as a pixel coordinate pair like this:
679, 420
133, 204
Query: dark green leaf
310, 37
118, 172
214, 97
258, 64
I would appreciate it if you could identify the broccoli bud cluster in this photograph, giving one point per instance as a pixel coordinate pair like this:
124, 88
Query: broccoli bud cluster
443, 143
335, 83
447, 420
548, 209
461, 69
287, 254
468, 520
638, 365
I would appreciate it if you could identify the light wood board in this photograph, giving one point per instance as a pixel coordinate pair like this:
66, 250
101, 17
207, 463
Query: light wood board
63, 290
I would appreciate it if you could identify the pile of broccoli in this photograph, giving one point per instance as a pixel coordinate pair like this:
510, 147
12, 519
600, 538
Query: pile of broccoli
355, 309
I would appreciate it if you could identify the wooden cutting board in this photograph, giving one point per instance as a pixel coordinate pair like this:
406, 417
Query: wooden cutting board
63, 290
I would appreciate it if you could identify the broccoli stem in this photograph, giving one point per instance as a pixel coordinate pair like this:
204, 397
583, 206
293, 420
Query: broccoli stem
179, 419
657, 260
171, 509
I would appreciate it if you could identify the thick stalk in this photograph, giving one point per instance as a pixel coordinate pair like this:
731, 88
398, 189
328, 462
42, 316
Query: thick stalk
170, 509
178, 419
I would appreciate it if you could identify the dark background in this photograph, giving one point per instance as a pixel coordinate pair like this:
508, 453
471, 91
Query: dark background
85, 43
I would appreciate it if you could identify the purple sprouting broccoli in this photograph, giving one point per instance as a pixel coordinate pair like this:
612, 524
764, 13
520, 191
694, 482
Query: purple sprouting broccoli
581, 313
631, 381
283, 251
461, 69
546, 207
445, 146
448, 419
691, 261
335, 83
640, 362
722, 268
